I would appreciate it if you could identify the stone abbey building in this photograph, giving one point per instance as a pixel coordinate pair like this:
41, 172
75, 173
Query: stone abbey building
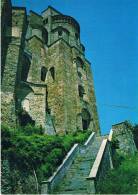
46, 78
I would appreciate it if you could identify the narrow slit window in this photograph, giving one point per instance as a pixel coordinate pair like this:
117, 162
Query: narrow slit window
45, 35
43, 73
52, 71
45, 21
60, 33
77, 36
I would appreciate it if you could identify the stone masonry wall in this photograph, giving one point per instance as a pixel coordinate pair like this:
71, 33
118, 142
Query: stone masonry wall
12, 67
56, 87
46, 74
6, 20
71, 96
123, 134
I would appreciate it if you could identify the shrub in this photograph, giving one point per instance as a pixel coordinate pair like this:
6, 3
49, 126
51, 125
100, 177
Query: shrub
26, 149
55, 156
68, 142
81, 136
45, 171
30, 130
122, 180
117, 159
5, 177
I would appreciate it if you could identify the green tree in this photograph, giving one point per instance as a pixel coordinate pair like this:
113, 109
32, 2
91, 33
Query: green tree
33, 156
135, 134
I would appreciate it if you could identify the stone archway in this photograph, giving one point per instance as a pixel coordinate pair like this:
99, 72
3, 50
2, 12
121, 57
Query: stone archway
24, 97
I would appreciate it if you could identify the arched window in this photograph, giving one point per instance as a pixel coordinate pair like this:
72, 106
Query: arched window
81, 91
43, 73
52, 71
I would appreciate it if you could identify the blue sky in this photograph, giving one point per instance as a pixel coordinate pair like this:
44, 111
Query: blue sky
109, 31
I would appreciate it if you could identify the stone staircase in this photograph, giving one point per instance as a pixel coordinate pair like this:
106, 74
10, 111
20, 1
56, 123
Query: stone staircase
75, 182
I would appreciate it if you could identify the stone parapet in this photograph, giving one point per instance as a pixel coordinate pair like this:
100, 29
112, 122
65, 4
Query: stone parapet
48, 186
110, 135
122, 133
102, 164
90, 139
88, 142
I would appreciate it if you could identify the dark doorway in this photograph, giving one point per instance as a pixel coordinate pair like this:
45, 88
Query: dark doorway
86, 118
85, 124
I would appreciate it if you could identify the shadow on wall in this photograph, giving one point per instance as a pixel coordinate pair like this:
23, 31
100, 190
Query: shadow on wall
25, 119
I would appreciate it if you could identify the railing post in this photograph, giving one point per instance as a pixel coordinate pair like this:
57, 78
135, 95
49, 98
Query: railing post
45, 187
91, 185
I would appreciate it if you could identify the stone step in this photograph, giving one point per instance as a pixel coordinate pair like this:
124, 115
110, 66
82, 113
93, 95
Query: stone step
75, 182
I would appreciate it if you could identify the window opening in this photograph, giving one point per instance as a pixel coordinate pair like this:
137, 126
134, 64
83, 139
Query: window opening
45, 21
80, 63
43, 73
60, 33
77, 36
52, 71
45, 35
81, 91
